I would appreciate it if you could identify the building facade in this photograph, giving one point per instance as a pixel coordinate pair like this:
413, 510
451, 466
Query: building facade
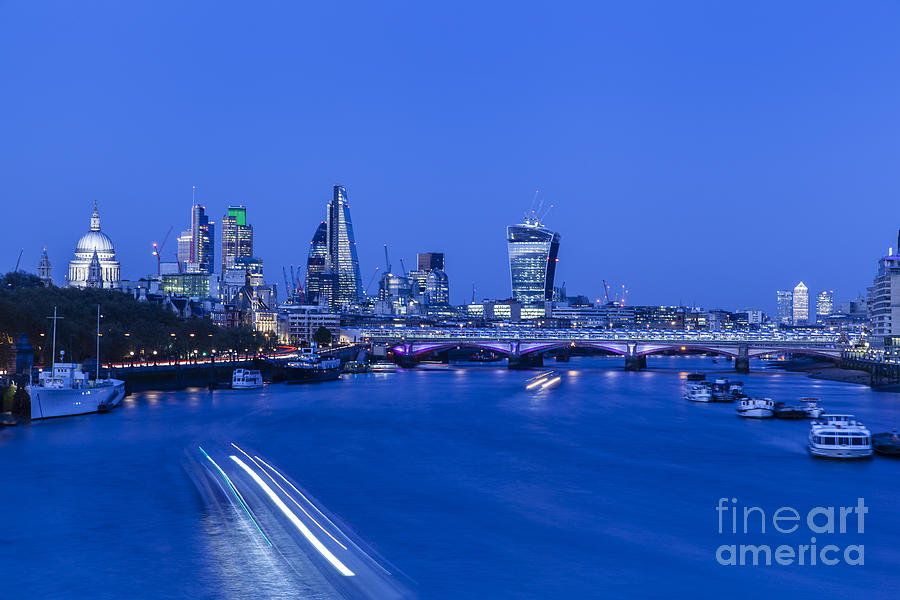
800, 312
299, 323
824, 305
45, 271
237, 237
318, 284
343, 261
202, 241
533, 254
884, 304
785, 307
94, 247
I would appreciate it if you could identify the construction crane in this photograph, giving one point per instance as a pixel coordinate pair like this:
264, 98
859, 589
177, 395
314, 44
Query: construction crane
473, 292
18, 260
368, 285
387, 260
157, 250
178, 262
402, 266
287, 283
606, 292
293, 287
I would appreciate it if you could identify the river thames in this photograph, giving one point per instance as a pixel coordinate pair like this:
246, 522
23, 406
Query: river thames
468, 484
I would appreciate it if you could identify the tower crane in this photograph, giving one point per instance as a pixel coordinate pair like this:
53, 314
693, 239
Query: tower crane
157, 250
287, 282
18, 260
368, 285
402, 266
606, 292
387, 260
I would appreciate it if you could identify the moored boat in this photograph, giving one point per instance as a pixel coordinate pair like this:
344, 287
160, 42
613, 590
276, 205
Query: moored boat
812, 408
887, 443
787, 411
310, 367
696, 392
696, 376
383, 366
839, 436
756, 408
246, 379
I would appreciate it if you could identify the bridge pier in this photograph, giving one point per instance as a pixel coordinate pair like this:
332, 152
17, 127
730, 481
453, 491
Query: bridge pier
562, 355
742, 360
526, 361
635, 363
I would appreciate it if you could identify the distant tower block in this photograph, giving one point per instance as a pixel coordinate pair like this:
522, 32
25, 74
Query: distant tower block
45, 272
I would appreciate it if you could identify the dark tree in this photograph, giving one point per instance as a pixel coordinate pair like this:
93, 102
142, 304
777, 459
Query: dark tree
322, 336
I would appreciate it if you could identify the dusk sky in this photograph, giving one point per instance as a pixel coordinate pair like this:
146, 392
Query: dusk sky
705, 153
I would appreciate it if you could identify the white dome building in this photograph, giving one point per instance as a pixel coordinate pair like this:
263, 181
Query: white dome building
94, 242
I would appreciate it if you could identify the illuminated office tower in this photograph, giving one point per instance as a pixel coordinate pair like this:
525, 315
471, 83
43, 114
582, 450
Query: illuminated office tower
237, 237
342, 262
184, 248
318, 282
785, 307
800, 310
533, 253
824, 305
202, 240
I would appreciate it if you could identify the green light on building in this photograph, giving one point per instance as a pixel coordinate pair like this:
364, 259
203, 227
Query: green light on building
239, 213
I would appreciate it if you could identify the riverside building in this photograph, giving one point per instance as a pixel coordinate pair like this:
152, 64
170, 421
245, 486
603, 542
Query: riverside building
884, 304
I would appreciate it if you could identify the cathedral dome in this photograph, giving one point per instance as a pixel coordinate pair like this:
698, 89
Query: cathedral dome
95, 241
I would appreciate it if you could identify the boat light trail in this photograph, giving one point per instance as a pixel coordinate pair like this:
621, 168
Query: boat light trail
317, 544
236, 494
551, 382
311, 518
535, 383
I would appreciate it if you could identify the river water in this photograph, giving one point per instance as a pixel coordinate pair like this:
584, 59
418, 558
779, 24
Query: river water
471, 486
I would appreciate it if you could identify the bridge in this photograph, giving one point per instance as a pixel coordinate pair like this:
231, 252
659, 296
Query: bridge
525, 347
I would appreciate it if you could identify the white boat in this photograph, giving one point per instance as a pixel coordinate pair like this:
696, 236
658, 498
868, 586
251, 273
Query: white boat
65, 389
756, 408
697, 392
246, 379
383, 366
839, 436
811, 407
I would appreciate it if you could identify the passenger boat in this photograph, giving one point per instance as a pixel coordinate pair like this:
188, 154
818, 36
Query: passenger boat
697, 392
246, 379
886, 443
65, 389
839, 436
696, 376
756, 408
310, 367
735, 390
383, 366
721, 390
353, 367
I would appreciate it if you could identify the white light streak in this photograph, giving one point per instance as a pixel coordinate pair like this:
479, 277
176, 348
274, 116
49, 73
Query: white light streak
317, 544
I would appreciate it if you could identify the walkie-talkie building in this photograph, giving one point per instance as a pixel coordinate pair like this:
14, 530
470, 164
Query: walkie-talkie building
342, 257
533, 253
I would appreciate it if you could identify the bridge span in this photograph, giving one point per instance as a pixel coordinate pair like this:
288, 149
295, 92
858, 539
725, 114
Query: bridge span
526, 347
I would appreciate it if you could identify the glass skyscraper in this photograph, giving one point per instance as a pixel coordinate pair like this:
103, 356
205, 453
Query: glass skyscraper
318, 284
202, 240
824, 305
533, 253
801, 304
785, 307
343, 262
237, 237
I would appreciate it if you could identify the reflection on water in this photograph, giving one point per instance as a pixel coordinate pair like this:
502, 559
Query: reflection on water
471, 485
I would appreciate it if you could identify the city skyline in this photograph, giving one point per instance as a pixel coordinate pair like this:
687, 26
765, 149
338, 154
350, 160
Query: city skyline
633, 173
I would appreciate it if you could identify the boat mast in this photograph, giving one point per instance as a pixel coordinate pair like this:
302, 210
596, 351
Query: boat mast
98, 343
53, 351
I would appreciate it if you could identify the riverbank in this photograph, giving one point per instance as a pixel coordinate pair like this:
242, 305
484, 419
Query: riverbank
827, 371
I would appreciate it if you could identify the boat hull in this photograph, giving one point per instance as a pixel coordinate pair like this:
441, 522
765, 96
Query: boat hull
47, 403
299, 375
756, 413
839, 453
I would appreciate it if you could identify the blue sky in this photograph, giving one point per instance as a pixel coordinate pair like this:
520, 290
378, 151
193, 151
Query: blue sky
699, 152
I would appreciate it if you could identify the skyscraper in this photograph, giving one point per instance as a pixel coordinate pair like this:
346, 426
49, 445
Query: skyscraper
785, 307
884, 304
237, 237
533, 253
800, 311
429, 279
343, 262
430, 260
824, 305
318, 284
185, 241
202, 240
